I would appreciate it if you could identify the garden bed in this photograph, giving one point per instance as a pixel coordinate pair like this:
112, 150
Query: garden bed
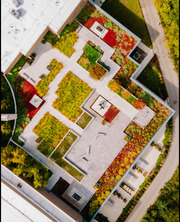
68, 37
42, 85
84, 120
88, 61
60, 152
51, 131
71, 93
115, 87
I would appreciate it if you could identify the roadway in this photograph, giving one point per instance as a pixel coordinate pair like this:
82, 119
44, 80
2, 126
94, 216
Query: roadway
172, 85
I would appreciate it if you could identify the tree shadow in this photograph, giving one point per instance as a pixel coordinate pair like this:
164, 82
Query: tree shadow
130, 20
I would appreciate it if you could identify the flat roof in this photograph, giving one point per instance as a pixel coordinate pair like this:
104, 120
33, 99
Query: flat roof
19, 34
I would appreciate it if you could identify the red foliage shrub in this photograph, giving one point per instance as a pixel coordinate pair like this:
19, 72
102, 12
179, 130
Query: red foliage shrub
92, 20
110, 38
111, 113
28, 92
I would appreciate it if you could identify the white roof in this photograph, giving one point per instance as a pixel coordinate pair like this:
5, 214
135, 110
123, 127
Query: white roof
36, 101
19, 35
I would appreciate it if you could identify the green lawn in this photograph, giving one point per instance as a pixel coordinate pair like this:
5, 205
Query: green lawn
151, 77
129, 13
51, 131
59, 153
84, 120
71, 93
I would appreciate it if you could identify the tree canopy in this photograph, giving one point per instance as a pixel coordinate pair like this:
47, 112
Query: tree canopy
166, 207
22, 164
168, 11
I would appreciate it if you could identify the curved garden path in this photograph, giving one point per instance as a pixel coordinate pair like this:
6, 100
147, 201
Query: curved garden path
172, 84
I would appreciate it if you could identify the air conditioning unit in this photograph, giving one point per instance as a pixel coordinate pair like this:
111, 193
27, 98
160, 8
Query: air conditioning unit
16, 13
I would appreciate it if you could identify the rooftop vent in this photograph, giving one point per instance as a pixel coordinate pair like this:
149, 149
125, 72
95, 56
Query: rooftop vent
16, 13
136, 55
100, 28
16, 3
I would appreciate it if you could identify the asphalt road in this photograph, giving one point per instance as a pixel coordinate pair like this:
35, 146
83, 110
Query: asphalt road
172, 85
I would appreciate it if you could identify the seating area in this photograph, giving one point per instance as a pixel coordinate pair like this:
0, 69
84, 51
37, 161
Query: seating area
127, 188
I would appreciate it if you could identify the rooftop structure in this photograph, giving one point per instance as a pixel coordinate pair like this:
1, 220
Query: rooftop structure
26, 22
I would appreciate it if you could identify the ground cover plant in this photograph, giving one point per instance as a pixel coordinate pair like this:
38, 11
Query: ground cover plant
42, 85
7, 106
51, 131
60, 152
22, 164
88, 61
71, 93
66, 40
84, 120
117, 88
28, 91
152, 78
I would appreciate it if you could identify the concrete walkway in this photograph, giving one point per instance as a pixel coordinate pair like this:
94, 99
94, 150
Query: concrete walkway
172, 85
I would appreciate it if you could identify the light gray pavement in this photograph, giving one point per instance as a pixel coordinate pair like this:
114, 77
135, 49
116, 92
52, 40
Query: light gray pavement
172, 85
103, 147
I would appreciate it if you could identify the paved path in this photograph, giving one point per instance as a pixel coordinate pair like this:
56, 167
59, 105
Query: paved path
171, 81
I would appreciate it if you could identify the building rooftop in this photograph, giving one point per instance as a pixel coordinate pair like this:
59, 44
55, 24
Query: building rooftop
23, 25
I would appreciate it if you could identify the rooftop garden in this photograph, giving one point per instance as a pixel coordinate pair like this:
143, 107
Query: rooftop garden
60, 152
135, 144
88, 61
71, 93
50, 132
65, 41
42, 86
84, 120
24, 165
116, 36
121, 41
